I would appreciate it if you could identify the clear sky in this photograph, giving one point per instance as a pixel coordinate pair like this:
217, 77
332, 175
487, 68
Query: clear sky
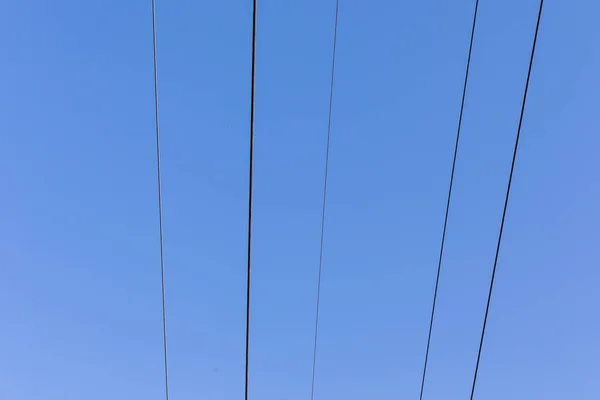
79, 265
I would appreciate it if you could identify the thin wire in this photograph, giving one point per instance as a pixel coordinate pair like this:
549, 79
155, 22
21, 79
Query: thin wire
160, 213
439, 268
512, 168
250, 191
314, 366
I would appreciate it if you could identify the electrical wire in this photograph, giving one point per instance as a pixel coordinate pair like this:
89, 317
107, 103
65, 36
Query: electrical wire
160, 213
510, 177
250, 192
318, 302
439, 268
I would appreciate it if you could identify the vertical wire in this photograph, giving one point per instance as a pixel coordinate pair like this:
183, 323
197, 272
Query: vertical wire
441, 254
160, 213
510, 177
318, 302
250, 193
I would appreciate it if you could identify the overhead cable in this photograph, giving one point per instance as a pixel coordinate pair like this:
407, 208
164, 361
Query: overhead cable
250, 193
441, 253
324, 206
160, 213
510, 177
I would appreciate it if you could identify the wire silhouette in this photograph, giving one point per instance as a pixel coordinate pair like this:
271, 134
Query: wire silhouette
314, 365
439, 268
160, 213
250, 192
510, 177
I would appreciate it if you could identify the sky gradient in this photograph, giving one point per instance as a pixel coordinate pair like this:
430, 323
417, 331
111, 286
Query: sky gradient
80, 271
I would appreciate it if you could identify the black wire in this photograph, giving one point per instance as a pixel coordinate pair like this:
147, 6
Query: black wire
512, 168
250, 190
439, 268
160, 214
335, 26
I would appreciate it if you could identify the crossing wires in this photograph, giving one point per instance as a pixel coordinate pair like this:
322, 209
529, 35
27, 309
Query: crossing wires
160, 213
508, 187
441, 255
316, 336
250, 193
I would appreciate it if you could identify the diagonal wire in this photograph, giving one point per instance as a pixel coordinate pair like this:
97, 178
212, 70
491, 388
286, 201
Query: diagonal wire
160, 213
439, 268
314, 365
250, 192
510, 177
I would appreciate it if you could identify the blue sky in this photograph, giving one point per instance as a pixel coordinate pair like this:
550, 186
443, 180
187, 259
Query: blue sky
79, 272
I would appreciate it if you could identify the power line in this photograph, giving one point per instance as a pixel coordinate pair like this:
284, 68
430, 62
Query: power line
250, 191
439, 268
512, 168
335, 26
160, 214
